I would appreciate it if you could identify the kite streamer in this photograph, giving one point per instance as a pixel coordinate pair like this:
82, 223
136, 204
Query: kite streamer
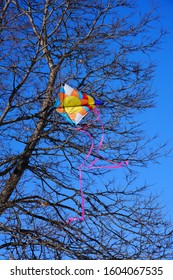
92, 164
74, 105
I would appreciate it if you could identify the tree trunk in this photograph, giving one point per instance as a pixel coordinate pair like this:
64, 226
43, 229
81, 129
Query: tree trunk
22, 164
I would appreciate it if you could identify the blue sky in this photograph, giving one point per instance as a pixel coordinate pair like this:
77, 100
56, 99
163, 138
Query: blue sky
160, 119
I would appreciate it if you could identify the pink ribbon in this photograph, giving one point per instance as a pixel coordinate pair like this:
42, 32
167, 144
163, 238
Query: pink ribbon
92, 164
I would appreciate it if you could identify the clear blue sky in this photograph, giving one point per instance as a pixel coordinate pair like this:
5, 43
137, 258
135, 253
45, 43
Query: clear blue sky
160, 119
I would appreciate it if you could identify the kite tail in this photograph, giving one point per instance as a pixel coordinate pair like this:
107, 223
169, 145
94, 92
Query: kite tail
92, 164
83, 165
82, 198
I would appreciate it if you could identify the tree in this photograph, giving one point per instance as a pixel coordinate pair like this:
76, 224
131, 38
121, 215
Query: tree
102, 48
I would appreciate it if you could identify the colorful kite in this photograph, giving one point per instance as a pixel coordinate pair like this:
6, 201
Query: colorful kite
74, 105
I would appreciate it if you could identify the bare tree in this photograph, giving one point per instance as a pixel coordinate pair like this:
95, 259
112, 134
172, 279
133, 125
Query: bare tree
102, 48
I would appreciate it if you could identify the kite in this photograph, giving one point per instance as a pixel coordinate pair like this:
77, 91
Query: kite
74, 105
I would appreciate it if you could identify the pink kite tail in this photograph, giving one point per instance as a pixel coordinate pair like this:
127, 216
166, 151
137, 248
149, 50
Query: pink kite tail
92, 164
80, 177
83, 202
